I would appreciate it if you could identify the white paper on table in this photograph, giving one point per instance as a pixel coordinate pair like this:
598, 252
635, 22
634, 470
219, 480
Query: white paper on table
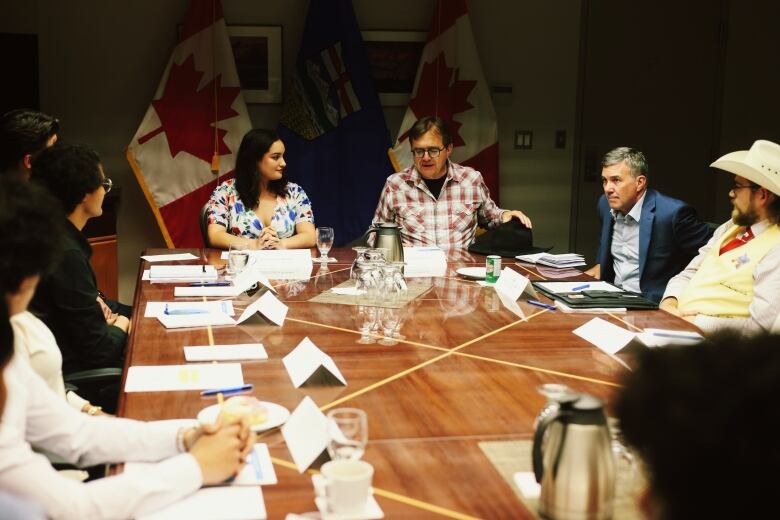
424, 262
189, 321
662, 337
193, 272
225, 352
568, 287
269, 306
169, 257
212, 503
305, 359
531, 259
166, 378
146, 277
526, 482
306, 433
514, 284
156, 309
183, 291
510, 303
604, 335
280, 264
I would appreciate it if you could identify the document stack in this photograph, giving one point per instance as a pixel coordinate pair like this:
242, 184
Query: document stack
561, 261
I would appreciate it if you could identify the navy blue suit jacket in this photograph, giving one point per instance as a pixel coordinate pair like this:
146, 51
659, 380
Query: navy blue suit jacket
670, 235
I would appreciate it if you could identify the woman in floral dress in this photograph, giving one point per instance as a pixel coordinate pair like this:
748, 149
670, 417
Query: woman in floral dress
259, 208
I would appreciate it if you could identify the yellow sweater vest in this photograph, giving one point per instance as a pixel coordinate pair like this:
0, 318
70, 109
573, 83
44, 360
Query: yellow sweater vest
723, 285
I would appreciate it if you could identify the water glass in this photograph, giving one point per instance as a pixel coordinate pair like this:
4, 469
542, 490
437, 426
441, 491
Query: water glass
324, 243
367, 321
348, 431
238, 259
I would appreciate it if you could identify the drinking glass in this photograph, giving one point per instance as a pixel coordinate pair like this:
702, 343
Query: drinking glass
238, 258
366, 320
324, 243
626, 467
348, 431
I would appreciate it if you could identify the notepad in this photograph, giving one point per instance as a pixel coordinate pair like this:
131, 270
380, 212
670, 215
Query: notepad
166, 378
182, 272
169, 257
234, 502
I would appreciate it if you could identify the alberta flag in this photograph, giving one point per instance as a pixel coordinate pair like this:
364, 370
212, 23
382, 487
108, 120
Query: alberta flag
193, 125
450, 84
332, 124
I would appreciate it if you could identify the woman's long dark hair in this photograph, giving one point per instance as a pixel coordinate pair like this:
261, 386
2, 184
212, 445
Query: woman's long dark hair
254, 145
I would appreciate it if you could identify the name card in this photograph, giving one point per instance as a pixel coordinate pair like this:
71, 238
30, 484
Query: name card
513, 284
306, 359
269, 306
306, 434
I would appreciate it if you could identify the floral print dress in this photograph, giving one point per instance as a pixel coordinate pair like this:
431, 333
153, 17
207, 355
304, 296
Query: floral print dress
226, 209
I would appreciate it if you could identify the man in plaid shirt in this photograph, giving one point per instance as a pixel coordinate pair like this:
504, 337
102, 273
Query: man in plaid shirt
437, 202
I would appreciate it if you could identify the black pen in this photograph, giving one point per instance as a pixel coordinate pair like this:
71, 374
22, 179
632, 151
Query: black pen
209, 284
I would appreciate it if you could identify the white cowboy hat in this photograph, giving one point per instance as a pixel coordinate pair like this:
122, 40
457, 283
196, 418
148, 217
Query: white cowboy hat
760, 164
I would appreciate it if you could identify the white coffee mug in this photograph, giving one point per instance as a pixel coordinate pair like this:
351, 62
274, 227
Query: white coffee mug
347, 484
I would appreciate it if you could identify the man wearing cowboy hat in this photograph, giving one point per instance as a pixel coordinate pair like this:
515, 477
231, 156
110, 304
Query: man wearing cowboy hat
734, 282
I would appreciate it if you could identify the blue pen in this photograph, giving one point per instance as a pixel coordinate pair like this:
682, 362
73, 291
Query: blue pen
227, 390
580, 287
256, 465
542, 305
209, 284
183, 312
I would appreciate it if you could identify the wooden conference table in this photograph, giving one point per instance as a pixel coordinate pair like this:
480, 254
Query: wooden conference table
466, 372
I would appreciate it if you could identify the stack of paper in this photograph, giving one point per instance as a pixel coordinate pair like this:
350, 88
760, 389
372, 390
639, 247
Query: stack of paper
424, 261
182, 272
560, 261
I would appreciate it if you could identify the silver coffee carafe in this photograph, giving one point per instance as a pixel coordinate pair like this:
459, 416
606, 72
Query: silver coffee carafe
573, 461
388, 236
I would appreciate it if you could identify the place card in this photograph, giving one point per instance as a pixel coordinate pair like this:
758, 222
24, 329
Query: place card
269, 306
225, 352
306, 360
165, 378
510, 304
513, 284
604, 335
306, 434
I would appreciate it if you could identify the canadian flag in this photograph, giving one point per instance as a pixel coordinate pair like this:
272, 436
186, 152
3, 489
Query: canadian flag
193, 127
450, 84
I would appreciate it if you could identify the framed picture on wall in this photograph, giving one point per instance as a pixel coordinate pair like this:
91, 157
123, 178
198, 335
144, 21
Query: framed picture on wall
393, 57
258, 54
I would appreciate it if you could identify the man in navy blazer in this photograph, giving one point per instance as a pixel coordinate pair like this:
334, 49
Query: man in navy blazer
646, 237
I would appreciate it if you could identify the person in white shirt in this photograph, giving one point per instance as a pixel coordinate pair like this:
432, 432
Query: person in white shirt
33, 415
734, 281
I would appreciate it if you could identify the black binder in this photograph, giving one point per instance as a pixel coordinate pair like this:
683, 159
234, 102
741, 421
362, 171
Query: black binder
591, 299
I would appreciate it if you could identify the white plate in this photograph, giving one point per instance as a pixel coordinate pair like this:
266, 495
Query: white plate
277, 415
472, 273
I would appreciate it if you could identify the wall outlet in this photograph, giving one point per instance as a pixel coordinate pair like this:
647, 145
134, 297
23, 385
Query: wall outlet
524, 139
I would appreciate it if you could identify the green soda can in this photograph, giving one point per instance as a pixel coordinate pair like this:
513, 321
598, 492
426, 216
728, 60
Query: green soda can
492, 268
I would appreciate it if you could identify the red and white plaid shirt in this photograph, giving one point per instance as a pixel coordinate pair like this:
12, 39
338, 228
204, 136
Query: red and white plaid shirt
448, 222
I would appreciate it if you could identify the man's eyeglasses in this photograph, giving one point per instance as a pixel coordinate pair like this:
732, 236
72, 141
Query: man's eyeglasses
107, 184
433, 152
736, 187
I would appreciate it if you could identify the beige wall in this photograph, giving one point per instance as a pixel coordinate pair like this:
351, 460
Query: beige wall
101, 61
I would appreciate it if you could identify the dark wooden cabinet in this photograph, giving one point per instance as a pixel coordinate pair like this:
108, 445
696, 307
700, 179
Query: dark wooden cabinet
101, 233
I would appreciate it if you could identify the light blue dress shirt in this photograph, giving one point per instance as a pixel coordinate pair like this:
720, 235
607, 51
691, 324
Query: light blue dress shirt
625, 247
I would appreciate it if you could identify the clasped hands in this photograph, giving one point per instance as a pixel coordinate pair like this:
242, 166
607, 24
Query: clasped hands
112, 318
669, 305
221, 448
268, 239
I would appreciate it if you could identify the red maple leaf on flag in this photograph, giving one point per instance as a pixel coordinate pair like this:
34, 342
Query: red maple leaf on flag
187, 114
441, 93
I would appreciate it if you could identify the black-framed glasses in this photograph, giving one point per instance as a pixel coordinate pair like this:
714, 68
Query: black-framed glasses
736, 187
107, 184
433, 152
